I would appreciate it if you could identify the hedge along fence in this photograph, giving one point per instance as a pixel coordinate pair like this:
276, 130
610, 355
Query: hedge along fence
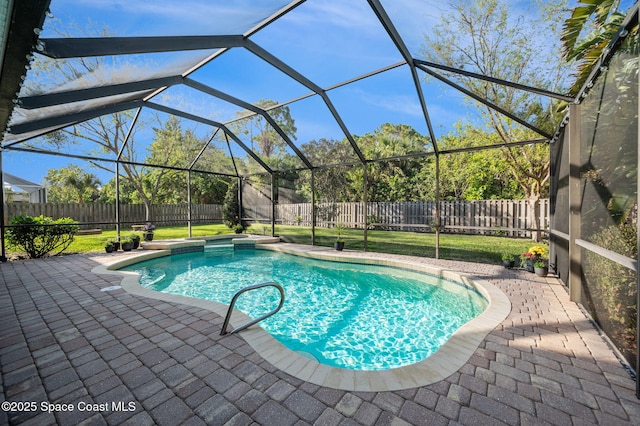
486, 217
103, 215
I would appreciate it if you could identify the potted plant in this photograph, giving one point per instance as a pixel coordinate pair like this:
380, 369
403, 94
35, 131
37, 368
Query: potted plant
116, 245
527, 261
541, 268
508, 260
536, 254
108, 246
147, 233
135, 237
127, 244
238, 229
339, 244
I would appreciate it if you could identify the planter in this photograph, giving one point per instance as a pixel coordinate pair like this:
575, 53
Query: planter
109, 249
541, 272
127, 246
528, 265
508, 263
116, 246
136, 242
148, 236
338, 245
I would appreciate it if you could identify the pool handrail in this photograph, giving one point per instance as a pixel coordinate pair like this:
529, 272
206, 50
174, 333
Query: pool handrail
250, 323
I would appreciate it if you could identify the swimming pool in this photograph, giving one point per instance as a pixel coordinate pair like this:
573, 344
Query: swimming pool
353, 316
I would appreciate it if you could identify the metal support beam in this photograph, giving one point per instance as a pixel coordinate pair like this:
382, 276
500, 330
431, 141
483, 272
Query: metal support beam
117, 182
575, 204
366, 207
438, 207
485, 102
111, 160
71, 119
274, 196
231, 99
109, 46
286, 69
78, 95
393, 33
189, 210
497, 81
313, 207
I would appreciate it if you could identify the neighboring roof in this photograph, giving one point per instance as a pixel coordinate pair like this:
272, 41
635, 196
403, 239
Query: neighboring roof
204, 69
21, 183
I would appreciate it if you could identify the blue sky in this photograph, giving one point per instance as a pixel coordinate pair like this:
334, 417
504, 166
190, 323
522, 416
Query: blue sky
327, 41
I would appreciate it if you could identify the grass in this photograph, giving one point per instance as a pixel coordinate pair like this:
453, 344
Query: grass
471, 248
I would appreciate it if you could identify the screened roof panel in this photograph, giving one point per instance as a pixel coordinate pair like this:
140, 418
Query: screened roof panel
253, 54
165, 17
413, 20
314, 123
48, 75
103, 137
244, 75
216, 157
330, 41
259, 136
196, 102
27, 120
389, 97
162, 139
447, 107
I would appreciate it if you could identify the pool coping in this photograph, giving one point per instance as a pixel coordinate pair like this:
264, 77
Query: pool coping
451, 356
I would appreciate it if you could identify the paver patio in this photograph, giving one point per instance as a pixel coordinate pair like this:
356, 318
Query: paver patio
117, 358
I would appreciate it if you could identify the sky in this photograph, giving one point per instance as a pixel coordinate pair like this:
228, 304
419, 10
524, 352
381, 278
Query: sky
328, 42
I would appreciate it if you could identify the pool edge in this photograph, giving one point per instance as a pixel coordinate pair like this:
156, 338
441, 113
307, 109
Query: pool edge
451, 356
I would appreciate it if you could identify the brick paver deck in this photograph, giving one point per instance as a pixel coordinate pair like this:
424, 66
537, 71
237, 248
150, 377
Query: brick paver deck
80, 355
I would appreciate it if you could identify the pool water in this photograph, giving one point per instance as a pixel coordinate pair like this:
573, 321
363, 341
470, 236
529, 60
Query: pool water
346, 315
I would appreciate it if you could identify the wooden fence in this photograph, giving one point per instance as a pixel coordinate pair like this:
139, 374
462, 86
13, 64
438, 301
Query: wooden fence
486, 217
494, 217
103, 215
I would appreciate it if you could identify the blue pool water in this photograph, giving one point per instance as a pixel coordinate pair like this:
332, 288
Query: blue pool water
345, 315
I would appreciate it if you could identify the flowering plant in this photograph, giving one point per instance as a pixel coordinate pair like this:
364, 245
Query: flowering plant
535, 255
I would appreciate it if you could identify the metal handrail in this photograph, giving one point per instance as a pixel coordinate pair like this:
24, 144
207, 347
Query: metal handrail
250, 323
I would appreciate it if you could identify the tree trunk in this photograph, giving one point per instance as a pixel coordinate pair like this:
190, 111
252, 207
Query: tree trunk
533, 200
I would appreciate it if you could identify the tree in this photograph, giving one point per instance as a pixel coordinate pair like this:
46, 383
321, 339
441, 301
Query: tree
331, 184
71, 184
601, 20
484, 36
389, 179
474, 175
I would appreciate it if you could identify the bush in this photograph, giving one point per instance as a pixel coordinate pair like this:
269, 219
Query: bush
39, 236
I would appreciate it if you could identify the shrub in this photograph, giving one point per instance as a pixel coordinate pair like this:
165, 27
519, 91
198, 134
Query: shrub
40, 236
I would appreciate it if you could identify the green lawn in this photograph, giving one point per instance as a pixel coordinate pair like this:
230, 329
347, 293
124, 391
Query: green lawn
473, 248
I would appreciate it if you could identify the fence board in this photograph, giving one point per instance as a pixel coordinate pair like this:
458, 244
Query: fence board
486, 217
103, 215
